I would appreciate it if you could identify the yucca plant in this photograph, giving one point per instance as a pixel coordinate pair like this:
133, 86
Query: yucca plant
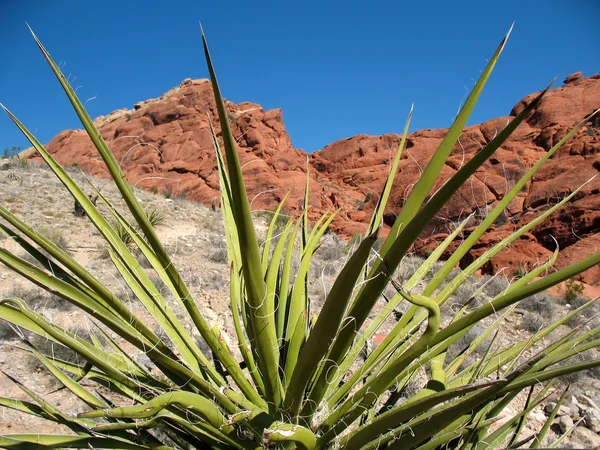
297, 385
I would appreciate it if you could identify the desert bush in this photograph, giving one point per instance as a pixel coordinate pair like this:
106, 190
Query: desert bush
22, 163
211, 222
123, 234
57, 351
142, 261
533, 322
10, 152
329, 257
573, 289
14, 163
102, 252
353, 243
6, 331
319, 288
542, 304
37, 298
582, 357
590, 316
280, 222
413, 387
519, 272
322, 268
298, 385
577, 301
78, 211
463, 343
160, 285
408, 266
213, 280
591, 312
56, 236
468, 291
204, 348
218, 252
331, 248
495, 285
51, 302
28, 294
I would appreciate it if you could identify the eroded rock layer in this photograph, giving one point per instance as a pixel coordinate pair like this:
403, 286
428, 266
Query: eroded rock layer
165, 145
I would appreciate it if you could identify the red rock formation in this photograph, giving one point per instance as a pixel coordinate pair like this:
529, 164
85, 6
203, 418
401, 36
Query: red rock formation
166, 144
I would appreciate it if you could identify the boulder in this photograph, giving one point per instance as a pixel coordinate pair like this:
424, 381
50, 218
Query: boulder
583, 438
592, 419
565, 423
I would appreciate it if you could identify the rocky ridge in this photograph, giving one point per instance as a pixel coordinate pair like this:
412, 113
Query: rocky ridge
165, 145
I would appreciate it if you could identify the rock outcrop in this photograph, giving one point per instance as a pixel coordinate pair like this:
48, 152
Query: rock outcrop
165, 145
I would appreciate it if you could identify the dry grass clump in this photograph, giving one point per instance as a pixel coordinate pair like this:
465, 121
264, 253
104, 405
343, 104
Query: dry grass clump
469, 292
318, 290
17, 163
218, 253
7, 331
36, 298
409, 265
541, 304
533, 322
463, 343
331, 248
589, 355
56, 236
58, 351
143, 262
495, 285
590, 315
214, 280
210, 221
329, 263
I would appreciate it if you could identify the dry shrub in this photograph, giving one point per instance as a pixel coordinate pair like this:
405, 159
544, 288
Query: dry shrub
219, 253
533, 322
542, 304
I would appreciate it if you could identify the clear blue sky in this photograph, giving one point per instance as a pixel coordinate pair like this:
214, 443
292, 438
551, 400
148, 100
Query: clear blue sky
336, 68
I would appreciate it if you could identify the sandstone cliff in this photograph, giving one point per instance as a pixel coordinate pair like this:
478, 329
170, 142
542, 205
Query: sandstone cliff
165, 144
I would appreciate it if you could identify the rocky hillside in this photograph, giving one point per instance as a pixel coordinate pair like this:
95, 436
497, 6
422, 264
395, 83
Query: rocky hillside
165, 145
195, 239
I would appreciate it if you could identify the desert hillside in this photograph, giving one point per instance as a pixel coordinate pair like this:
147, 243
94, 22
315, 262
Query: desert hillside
165, 145
194, 237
